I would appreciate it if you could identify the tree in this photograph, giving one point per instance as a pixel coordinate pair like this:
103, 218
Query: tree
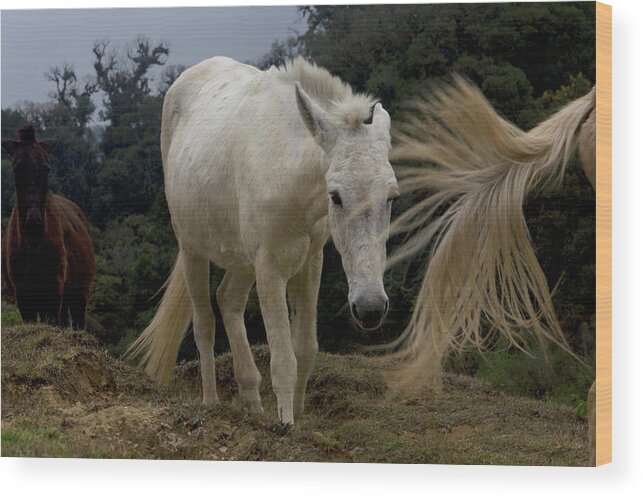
132, 176
170, 75
280, 52
514, 52
77, 104
125, 80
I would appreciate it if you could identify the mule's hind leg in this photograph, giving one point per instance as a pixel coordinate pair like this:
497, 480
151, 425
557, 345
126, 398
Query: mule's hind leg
271, 288
232, 296
197, 280
303, 290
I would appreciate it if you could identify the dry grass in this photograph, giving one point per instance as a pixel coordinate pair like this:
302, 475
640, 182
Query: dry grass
64, 397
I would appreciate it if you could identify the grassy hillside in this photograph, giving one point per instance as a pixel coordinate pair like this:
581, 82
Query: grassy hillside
64, 397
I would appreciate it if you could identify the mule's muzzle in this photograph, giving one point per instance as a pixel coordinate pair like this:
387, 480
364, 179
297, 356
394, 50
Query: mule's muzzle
369, 313
33, 220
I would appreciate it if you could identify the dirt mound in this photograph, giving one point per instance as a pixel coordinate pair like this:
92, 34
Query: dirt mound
63, 396
61, 361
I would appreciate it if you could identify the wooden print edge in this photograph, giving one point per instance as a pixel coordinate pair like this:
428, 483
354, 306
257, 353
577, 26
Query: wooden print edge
603, 233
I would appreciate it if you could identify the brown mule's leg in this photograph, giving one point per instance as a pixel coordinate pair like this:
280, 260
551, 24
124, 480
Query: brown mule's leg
48, 294
50, 309
28, 308
78, 311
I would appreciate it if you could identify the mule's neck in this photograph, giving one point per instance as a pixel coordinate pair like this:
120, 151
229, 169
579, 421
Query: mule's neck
32, 228
312, 196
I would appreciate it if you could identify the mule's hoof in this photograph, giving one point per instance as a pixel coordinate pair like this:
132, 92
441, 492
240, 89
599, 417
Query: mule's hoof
251, 401
282, 428
256, 410
299, 411
286, 419
253, 407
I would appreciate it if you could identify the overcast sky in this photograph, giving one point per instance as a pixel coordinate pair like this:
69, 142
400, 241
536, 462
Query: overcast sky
35, 40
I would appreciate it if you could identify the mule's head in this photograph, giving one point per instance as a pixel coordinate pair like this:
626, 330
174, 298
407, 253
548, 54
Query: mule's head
361, 186
30, 164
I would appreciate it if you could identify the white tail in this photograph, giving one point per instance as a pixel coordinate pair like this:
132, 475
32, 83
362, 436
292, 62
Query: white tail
158, 345
482, 270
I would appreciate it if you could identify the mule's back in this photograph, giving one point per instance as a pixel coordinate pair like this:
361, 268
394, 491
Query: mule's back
190, 105
78, 243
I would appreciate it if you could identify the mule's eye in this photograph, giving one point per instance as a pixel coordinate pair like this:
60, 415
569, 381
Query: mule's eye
335, 197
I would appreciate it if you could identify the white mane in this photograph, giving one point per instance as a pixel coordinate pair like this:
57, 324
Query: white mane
346, 107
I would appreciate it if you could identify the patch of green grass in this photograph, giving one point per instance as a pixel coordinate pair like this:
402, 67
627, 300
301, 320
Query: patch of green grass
10, 315
562, 378
45, 442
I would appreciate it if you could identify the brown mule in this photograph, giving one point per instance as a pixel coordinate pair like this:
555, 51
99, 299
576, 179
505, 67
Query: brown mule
47, 251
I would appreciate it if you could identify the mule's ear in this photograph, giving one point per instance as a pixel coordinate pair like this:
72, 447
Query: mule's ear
316, 119
49, 144
10, 146
381, 121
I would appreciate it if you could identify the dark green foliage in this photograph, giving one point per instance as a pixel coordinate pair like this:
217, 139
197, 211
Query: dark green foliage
132, 176
562, 378
134, 258
10, 315
280, 52
529, 59
514, 52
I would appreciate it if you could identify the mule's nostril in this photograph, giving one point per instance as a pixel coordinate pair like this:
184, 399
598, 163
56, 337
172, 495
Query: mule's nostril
354, 310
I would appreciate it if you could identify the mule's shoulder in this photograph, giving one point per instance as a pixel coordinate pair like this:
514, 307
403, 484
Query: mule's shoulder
66, 204
71, 211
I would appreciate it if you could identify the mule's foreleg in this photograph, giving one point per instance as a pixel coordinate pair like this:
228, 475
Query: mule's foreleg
303, 291
232, 296
271, 288
196, 271
28, 308
50, 303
